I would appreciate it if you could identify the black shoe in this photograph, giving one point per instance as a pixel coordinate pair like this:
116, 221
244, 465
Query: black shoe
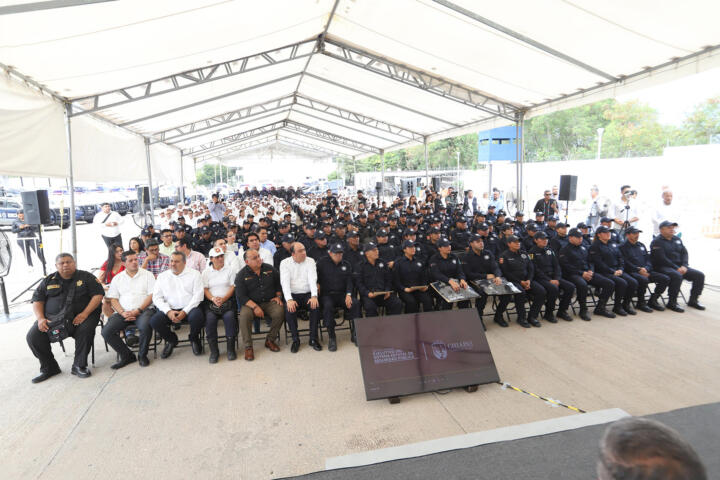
564, 316
535, 323
295, 346
315, 345
523, 323
353, 339
675, 307
81, 372
332, 344
132, 340
214, 355
629, 309
604, 313
643, 307
51, 372
124, 361
620, 311
501, 321
550, 318
695, 304
196, 346
214, 352
654, 304
143, 361
584, 315
231, 354
169, 347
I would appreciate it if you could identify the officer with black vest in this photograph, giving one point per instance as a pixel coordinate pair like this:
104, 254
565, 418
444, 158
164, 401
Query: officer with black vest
373, 280
549, 275
609, 262
411, 280
577, 268
388, 251
669, 256
446, 267
480, 264
460, 236
560, 239
638, 266
517, 268
335, 276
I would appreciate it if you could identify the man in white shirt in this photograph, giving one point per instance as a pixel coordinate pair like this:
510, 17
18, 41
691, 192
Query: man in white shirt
298, 278
665, 211
177, 296
130, 295
253, 243
109, 224
625, 210
193, 259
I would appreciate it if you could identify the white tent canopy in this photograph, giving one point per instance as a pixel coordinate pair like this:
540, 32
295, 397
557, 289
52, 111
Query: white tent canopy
201, 78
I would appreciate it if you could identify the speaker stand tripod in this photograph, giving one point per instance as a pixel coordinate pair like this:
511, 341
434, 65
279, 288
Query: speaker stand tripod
41, 248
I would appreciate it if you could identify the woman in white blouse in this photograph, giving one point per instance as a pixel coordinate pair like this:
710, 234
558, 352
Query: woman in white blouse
219, 284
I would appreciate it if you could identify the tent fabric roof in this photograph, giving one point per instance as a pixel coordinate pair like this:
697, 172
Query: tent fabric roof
350, 77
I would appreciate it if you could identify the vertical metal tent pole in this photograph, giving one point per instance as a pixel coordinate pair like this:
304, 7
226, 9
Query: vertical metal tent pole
458, 172
382, 178
427, 173
520, 153
71, 178
150, 182
182, 180
517, 165
489, 180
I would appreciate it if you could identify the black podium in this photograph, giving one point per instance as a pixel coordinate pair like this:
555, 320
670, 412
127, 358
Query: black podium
423, 352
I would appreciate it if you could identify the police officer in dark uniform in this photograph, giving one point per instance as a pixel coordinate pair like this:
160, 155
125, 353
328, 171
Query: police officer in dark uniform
460, 236
490, 239
353, 252
609, 262
319, 248
204, 243
479, 263
411, 280
550, 228
81, 316
560, 239
638, 265
549, 275
517, 268
576, 267
372, 278
283, 251
307, 236
669, 256
335, 276
26, 238
446, 267
528, 242
614, 235
388, 251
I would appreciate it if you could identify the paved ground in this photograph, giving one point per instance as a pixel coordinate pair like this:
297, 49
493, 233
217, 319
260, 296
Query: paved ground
285, 414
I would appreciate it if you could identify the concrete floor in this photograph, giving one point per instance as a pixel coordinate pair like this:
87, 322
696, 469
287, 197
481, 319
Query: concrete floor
284, 414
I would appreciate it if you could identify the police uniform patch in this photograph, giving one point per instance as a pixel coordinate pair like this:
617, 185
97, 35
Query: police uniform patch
381, 265
523, 255
678, 242
486, 257
79, 283
50, 287
419, 264
453, 261
582, 248
548, 252
343, 268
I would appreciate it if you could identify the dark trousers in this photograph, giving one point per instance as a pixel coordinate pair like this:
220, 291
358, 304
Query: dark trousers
161, 324
393, 305
660, 280
110, 240
30, 244
413, 300
291, 317
229, 318
581, 287
625, 286
695, 276
565, 291
116, 323
536, 295
330, 302
84, 335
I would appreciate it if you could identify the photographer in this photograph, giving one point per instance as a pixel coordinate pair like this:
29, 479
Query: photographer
626, 214
72, 298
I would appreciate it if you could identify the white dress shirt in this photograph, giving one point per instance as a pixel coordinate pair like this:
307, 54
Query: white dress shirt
131, 292
264, 253
105, 231
662, 213
298, 277
178, 292
219, 281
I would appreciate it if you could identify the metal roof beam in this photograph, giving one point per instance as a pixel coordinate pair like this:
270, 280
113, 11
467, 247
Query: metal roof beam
310, 146
524, 39
231, 139
239, 147
419, 79
330, 137
191, 78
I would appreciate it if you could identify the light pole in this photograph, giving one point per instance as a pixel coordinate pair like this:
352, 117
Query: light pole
600, 134
458, 170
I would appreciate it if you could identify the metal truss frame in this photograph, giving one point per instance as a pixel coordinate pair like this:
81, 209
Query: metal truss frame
238, 147
191, 78
272, 140
419, 79
214, 145
339, 140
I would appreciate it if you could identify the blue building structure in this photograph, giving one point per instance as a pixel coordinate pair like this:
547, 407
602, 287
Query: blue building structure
498, 144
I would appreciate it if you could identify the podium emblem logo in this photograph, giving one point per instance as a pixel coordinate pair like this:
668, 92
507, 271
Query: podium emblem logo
439, 350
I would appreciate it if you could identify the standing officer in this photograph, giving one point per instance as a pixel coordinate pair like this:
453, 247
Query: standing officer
608, 261
82, 294
374, 282
517, 268
549, 275
26, 239
637, 265
669, 256
480, 264
411, 280
576, 267
336, 290
446, 267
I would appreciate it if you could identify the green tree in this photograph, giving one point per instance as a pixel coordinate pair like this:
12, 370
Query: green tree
207, 174
702, 123
633, 130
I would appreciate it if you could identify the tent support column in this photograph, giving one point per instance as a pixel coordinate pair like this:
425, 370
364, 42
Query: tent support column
71, 178
519, 153
382, 178
427, 173
182, 180
150, 182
